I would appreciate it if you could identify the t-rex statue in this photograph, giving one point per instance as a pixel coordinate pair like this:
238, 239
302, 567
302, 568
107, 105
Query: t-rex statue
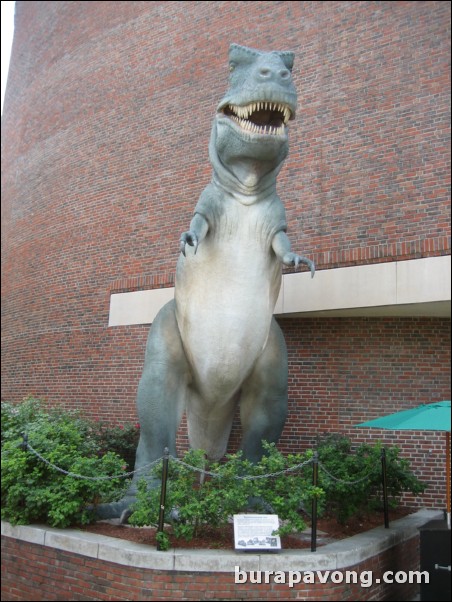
217, 345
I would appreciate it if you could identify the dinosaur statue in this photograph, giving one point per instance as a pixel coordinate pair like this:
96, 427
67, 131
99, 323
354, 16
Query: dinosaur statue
217, 345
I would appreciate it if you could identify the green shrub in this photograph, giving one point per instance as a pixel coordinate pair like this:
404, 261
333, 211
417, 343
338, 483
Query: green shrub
349, 484
196, 503
289, 490
121, 439
355, 487
32, 490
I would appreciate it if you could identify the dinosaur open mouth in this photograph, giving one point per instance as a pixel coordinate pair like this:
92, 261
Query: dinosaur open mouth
260, 117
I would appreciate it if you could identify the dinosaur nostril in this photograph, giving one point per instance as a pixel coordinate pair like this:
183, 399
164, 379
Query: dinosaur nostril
264, 72
284, 73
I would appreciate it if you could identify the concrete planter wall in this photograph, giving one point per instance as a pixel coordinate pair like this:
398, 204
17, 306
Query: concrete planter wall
42, 563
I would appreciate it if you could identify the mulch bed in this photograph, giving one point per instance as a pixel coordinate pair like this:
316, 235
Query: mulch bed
328, 529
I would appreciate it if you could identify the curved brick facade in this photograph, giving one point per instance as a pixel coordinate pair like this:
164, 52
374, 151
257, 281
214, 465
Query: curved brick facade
104, 153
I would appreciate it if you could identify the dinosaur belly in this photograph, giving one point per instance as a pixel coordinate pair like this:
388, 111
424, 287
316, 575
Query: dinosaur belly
225, 296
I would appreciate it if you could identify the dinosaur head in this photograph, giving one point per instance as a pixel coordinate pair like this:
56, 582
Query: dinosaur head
261, 98
251, 122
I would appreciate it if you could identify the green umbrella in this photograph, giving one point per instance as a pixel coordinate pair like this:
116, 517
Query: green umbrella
428, 417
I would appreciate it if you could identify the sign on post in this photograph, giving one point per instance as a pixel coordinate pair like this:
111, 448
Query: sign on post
255, 532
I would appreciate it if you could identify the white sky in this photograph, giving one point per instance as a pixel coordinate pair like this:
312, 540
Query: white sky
7, 38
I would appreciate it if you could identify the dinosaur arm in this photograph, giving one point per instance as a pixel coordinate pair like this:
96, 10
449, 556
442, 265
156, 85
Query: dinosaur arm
281, 247
199, 226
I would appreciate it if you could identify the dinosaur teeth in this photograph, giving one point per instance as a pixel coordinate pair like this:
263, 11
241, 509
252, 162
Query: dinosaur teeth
241, 115
256, 129
245, 111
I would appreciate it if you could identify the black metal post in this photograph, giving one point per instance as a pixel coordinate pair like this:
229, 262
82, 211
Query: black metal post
163, 493
315, 478
385, 487
24, 444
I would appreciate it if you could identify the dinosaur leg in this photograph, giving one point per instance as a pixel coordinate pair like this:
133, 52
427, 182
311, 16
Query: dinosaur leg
263, 404
160, 401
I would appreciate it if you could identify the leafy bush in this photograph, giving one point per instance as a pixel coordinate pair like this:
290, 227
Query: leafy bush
348, 484
194, 503
191, 503
355, 484
289, 490
34, 491
121, 439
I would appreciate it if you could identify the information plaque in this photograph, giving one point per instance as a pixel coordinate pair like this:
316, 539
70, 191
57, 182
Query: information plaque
255, 532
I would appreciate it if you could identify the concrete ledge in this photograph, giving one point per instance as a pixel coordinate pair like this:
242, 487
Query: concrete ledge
416, 287
337, 555
134, 554
33, 534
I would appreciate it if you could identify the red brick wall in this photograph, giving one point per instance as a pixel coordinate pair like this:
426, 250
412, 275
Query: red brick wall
343, 371
104, 153
33, 572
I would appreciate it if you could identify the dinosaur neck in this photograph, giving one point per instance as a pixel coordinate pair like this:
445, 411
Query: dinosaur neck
248, 178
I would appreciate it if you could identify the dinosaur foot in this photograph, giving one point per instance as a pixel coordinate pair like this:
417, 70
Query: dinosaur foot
258, 504
120, 509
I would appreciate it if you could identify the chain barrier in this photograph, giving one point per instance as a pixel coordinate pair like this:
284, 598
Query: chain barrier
342, 480
291, 469
244, 477
316, 464
79, 476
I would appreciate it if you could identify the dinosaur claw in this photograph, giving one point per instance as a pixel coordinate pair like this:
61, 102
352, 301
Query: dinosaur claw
292, 259
191, 239
125, 515
311, 266
309, 263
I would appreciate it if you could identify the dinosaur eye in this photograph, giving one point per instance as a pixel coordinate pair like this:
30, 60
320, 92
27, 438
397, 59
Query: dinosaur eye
231, 67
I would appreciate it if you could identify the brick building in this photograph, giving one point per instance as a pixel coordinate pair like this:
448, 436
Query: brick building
105, 131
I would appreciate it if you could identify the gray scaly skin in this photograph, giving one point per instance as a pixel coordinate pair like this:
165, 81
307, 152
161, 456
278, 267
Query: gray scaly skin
217, 344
